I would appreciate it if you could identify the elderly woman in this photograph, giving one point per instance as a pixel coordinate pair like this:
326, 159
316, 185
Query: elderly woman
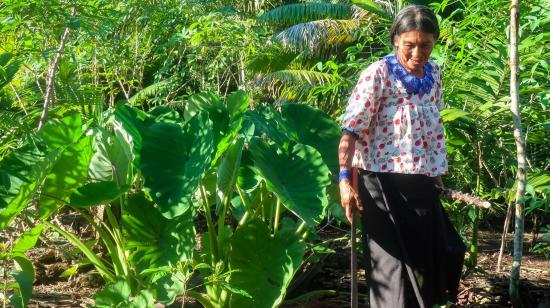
393, 134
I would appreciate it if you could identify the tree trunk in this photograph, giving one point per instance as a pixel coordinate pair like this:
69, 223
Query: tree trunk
504, 232
50, 77
520, 145
242, 75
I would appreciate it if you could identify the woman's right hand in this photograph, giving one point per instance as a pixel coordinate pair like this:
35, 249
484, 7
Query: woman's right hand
349, 198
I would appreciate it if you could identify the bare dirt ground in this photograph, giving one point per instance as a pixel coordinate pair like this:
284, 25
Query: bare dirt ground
482, 288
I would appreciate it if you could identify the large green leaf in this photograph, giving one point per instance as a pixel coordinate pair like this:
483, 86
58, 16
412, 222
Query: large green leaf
21, 174
119, 294
247, 180
174, 160
227, 119
58, 133
266, 275
451, 114
298, 176
53, 155
169, 287
69, 173
154, 240
112, 157
318, 37
28, 239
115, 294
313, 127
237, 103
24, 289
269, 122
165, 114
229, 171
96, 193
217, 113
134, 123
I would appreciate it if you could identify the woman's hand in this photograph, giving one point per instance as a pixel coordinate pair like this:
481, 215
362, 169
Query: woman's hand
349, 198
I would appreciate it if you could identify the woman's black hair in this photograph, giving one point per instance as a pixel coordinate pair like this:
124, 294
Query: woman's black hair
414, 18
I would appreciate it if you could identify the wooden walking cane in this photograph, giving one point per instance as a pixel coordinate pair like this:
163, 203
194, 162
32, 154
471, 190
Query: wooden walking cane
354, 290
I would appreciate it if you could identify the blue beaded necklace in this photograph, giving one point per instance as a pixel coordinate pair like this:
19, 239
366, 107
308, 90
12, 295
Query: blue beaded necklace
412, 84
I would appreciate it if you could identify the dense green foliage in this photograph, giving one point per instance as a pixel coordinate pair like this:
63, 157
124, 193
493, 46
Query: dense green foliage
207, 132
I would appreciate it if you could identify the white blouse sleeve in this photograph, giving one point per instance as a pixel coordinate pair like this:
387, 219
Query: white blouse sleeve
364, 101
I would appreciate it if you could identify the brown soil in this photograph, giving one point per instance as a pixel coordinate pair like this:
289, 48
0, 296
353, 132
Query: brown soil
482, 288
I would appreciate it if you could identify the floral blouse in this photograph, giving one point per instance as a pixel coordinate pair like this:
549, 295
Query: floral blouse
395, 117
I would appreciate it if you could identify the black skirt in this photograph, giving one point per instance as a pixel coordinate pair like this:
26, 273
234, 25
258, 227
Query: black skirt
404, 224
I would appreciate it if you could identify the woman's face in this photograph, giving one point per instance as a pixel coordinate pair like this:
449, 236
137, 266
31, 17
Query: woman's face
414, 49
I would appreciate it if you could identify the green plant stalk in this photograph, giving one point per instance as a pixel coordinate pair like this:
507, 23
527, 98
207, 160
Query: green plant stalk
300, 228
118, 240
262, 201
5, 297
223, 298
475, 223
221, 225
103, 270
277, 216
249, 211
244, 219
210, 226
200, 298
271, 211
108, 238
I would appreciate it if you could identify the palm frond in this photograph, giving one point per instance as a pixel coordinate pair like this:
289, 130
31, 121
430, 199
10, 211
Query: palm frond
384, 9
271, 58
318, 35
291, 14
8, 69
287, 77
290, 80
149, 91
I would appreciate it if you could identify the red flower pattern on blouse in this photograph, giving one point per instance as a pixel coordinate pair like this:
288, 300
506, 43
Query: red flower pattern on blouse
397, 132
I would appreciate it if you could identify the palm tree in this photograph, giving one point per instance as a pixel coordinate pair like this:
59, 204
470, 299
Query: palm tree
305, 34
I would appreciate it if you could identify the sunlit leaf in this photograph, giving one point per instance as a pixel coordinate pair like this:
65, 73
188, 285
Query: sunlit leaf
174, 160
266, 276
299, 177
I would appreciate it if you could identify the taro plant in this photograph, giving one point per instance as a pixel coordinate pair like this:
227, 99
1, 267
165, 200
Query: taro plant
258, 175
16, 264
68, 163
269, 191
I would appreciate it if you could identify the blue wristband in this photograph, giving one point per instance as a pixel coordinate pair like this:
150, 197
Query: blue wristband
344, 174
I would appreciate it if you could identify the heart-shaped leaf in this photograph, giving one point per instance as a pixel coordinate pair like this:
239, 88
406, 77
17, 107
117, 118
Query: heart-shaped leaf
112, 157
69, 172
97, 193
313, 127
264, 276
154, 240
298, 176
174, 160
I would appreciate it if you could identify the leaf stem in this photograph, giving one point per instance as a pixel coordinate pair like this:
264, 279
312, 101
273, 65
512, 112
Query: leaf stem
246, 206
301, 228
277, 216
210, 225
